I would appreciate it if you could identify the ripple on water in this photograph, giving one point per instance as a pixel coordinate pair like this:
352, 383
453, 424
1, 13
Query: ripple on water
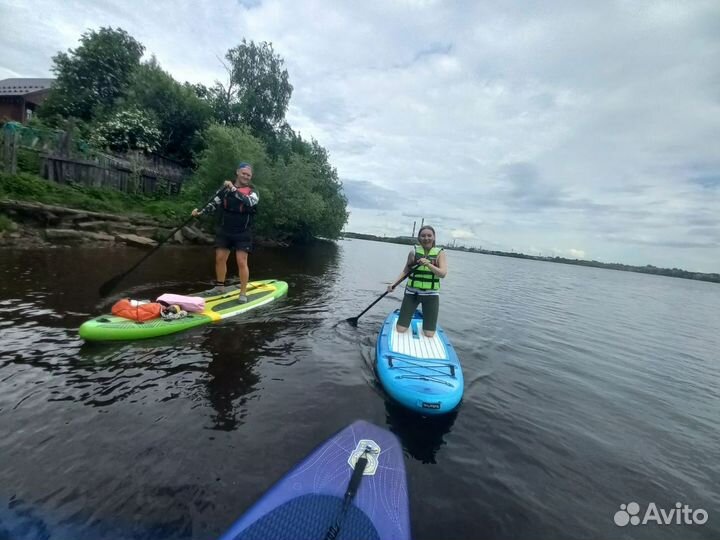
584, 389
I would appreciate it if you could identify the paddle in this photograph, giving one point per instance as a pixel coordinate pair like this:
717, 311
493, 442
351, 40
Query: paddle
354, 320
110, 284
355, 479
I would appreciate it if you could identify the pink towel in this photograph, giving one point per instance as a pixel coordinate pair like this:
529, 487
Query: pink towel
192, 304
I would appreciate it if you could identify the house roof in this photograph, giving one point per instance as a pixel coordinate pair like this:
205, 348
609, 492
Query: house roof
21, 87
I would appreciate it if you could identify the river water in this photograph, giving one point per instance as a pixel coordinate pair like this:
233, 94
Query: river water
585, 389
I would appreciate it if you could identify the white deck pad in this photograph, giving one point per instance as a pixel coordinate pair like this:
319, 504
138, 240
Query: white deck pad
414, 343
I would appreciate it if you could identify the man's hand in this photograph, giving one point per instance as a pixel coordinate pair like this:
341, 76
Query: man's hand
228, 184
195, 213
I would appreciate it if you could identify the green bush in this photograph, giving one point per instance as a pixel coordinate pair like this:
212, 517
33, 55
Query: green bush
128, 129
6, 224
225, 148
28, 161
300, 197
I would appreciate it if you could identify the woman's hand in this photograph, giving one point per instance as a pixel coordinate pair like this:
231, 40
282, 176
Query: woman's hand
228, 184
424, 262
195, 213
390, 288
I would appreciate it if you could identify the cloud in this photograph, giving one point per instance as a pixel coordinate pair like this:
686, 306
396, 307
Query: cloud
526, 189
570, 253
363, 194
669, 243
461, 234
709, 220
709, 181
249, 4
545, 125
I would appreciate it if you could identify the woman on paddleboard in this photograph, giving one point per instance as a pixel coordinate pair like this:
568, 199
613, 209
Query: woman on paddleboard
423, 285
238, 202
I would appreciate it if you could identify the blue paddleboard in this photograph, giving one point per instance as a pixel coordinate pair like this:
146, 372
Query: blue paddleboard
352, 487
420, 373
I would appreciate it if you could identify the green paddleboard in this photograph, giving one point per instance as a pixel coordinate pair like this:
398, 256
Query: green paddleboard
217, 307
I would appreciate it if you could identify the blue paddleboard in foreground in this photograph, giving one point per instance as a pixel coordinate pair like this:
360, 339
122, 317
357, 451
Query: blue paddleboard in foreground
350, 488
420, 373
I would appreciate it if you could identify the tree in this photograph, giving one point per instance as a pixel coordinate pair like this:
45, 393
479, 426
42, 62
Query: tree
306, 203
181, 114
91, 78
130, 129
306, 196
257, 92
299, 199
225, 148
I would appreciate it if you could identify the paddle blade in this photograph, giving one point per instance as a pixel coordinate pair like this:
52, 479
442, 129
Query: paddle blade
352, 321
107, 287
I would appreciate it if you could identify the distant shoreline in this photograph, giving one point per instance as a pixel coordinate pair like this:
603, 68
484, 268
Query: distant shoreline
647, 269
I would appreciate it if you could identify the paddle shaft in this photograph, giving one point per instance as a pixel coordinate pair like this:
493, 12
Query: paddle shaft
403, 278
110, 284
350, 493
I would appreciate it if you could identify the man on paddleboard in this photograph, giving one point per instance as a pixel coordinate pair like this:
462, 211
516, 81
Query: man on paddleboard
238, 204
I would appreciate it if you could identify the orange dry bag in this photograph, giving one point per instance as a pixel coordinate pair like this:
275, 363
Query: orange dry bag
136, 311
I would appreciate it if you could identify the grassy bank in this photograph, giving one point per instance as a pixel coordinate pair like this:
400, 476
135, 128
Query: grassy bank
6, 224
32, 188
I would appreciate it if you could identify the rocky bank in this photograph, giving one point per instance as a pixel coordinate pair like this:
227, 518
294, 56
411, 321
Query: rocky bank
42, 225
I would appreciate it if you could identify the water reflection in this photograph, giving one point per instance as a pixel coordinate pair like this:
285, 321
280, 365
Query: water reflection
66, 280
421, 436
231, 376
46, 294
237, 347
136, 435
24, 520
319, 259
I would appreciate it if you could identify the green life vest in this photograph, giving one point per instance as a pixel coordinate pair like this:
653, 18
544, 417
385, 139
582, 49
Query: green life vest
422, 277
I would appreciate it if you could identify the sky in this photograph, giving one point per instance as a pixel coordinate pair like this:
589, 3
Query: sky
577, 129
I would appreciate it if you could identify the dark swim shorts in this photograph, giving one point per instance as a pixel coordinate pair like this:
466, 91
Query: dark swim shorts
234, 241
430, 310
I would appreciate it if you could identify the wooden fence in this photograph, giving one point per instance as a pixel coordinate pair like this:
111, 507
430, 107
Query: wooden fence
155, 162
116, 176
9, 152
66, 161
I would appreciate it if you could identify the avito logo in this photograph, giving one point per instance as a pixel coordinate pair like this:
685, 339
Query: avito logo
682, 514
